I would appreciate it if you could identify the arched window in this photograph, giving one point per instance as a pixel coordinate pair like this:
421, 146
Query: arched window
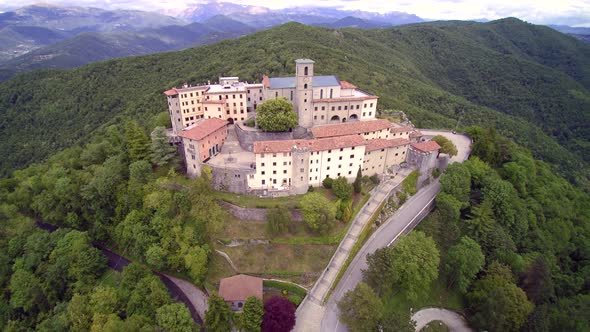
321, 93
305, 86
305, 71
331, 90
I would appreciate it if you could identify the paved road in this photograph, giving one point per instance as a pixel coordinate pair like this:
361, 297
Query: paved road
179, 289
409, 215
405, 219
454, 321
462, 142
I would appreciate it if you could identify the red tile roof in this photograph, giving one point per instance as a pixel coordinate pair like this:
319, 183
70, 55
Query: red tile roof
309, 144
328, 100
347, 85
427, 146
416, 134
382, 143
350, 128
266, 81
171, 92
203, 129
240, 287
400, 129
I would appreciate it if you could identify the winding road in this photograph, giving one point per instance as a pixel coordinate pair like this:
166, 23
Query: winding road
313, 317
181, 290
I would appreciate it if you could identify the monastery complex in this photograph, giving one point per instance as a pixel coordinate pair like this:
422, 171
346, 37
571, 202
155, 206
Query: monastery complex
338, 133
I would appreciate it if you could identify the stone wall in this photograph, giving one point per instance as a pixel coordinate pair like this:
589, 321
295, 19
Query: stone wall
230, 179
248, 136
254, 214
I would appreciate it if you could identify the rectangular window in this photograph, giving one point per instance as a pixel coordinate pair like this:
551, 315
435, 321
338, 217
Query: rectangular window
351, 156
263, 172
261, 164
274, 163
301, 170
274, 172
285, 171
263, 182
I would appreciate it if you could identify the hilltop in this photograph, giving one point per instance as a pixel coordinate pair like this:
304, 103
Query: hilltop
528, 81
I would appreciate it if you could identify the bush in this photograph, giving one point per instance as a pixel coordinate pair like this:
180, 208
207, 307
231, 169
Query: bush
342, 189
344, 210
250, 122
327, 183
310, 189
435, 173
375, 179
277, 220
410, 183
402, 197
296, 300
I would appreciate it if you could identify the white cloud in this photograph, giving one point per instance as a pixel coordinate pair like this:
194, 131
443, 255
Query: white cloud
573, 12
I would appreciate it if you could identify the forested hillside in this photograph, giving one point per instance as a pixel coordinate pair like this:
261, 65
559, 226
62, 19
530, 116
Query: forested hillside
507, 245
528, 81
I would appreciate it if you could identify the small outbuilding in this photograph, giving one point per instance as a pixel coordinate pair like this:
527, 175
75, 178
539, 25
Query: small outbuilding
235, 290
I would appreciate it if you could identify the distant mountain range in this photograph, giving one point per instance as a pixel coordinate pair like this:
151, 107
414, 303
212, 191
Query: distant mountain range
47, 36
262, 17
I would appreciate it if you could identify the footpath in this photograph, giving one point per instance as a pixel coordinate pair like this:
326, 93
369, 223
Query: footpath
311, 310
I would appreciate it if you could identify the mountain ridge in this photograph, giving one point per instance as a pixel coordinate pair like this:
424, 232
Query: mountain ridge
405, 66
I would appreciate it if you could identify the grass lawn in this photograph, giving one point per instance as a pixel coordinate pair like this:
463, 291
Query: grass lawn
234, 229
109, 278
217, 269
435, 326
280, 258
438, 296
249, 201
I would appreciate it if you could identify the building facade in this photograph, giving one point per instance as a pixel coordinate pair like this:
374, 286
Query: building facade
202, 141
230, 100
342, 133
321, 100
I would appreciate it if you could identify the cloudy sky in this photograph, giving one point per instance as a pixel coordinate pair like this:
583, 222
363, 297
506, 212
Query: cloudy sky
570, 12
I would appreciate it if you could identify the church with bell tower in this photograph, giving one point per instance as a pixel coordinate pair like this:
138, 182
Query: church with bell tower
320, 100
304, 91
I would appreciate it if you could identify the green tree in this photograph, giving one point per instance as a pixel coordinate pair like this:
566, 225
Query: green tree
446, 146
341, 188
161, 150
378, 275
499, 305
156, 256
276, 115
251, 317
411, 265
195, 261
104, 300
175, 317
218, 316
456, 181
398, 321
358, 181
137, 141
25, 291
79, 313
464, 260
361, 309
277, 220
318, 212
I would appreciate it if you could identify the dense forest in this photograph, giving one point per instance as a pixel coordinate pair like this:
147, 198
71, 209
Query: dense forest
528, 81
509, 239
77, 154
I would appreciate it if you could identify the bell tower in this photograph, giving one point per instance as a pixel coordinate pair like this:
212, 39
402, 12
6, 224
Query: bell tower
304, 91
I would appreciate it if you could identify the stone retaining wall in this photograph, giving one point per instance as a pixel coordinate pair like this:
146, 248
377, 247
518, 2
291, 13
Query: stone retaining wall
246, 214
230, 179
